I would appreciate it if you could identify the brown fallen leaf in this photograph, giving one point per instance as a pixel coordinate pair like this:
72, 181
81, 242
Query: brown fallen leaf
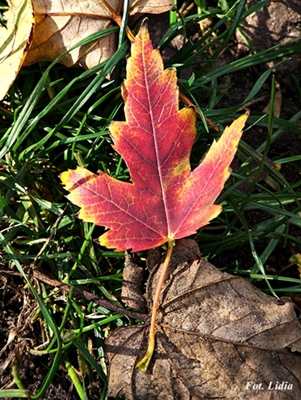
41, 30
217, 337
62, 24
277, 105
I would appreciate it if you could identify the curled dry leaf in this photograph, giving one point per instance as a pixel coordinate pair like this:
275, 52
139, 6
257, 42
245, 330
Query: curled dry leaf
61, 24
217, 337
14, 40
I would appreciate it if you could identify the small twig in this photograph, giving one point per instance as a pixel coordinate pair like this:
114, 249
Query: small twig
84, 294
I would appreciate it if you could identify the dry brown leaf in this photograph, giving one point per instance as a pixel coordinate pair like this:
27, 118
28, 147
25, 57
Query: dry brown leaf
51, 27
61, 24
14, 41
217, 337
277, 105
149, 6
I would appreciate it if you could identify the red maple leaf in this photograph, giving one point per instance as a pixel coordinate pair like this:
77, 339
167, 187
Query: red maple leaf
166, 200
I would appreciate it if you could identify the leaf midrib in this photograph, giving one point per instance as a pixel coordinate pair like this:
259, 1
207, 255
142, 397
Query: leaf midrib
164, 200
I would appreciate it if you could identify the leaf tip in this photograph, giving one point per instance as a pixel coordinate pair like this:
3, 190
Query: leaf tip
243, 118
64, 177
144, 23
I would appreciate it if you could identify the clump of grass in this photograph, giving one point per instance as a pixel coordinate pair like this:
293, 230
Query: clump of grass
54, 119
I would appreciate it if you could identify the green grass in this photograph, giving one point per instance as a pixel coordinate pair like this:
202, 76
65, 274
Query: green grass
54, 119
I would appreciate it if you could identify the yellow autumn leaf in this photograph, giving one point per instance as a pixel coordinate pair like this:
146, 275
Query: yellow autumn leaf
14, 41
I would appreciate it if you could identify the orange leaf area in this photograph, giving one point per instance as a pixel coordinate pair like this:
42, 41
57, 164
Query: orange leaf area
166, 200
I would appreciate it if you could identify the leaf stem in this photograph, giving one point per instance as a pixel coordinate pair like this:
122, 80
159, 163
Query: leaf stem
144, 362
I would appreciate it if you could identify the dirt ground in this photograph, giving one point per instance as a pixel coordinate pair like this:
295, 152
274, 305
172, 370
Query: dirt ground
18, 333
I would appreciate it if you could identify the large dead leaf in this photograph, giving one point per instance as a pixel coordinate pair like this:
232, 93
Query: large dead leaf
51, 27
217, 337
61, 24
14, 41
